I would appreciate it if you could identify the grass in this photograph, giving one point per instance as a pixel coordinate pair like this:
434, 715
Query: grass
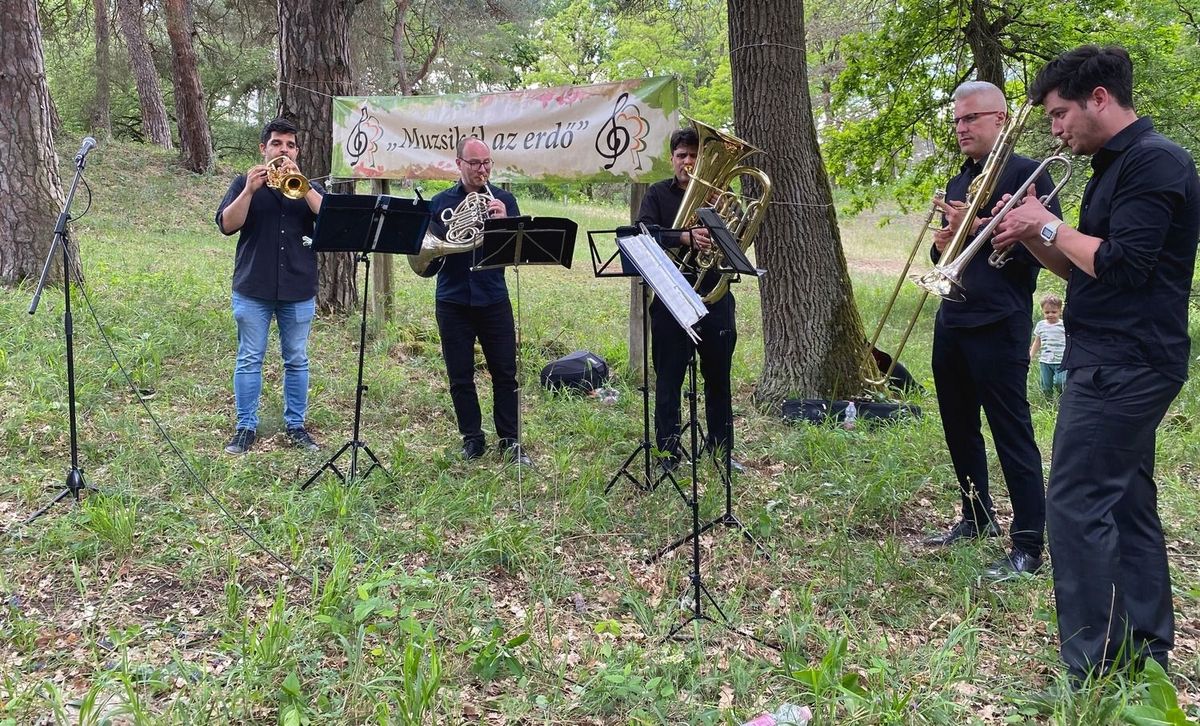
460, 593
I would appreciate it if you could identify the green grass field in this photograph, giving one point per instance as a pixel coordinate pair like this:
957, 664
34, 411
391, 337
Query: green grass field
460, 592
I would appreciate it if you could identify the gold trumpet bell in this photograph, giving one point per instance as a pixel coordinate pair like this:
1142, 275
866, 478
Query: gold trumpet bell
290, 184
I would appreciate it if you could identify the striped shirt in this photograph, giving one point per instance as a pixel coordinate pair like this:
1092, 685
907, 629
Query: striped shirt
1054, 340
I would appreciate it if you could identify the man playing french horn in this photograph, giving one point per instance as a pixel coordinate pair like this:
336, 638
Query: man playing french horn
473, 305
980, 359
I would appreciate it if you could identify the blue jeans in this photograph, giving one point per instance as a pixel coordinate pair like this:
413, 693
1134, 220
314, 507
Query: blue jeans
1053, 376
294, 320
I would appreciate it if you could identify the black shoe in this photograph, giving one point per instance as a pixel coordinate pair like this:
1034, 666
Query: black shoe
514, 454
1015, 563
301, 439
241, 442
473, 449
964, 529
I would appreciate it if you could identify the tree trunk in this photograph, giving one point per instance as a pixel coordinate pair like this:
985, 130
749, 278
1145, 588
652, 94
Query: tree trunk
314, 63
155, 126
101, 120
195, 139
406, 80
984, 37
812, 333
383, 289
30, 189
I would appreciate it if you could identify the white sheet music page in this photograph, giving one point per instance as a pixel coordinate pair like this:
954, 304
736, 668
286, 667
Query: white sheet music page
668, 283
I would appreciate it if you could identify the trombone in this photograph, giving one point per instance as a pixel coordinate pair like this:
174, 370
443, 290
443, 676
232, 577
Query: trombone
945, 281
881, 382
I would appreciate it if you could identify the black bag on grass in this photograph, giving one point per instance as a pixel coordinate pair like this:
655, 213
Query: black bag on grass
581, 371
822, 410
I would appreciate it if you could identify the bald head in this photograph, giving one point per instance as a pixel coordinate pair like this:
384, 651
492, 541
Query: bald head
474, 163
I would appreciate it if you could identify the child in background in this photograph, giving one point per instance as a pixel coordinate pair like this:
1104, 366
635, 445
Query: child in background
1049, 340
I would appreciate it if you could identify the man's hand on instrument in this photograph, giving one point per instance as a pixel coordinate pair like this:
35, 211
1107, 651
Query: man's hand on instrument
496, 208
1023, 223
256, 177
941, 238
697, 237
953, 211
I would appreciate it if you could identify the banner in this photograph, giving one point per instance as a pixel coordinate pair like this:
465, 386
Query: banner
611, 132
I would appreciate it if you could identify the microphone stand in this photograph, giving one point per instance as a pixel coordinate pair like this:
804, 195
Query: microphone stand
75, 480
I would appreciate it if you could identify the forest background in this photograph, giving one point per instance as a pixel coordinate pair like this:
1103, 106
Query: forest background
476, 596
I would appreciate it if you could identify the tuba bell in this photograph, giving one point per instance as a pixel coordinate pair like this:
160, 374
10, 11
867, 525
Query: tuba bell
291, 184
718, 163
464, 231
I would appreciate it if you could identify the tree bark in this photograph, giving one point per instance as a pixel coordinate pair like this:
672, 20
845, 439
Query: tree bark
155, 126
101, 120
314, 63
195, 139
406, 80
812, 332
984, 38
30, 189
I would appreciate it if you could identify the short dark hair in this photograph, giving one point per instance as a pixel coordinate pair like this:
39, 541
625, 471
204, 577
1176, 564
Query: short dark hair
278, 126
1076, 73
684, 137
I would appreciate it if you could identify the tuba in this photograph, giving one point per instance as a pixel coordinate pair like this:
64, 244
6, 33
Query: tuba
464, 231
291, 184
718, 163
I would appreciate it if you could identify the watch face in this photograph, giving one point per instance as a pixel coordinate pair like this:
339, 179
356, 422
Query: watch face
1048, 231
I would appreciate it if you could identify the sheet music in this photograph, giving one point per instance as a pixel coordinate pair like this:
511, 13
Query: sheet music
661, 274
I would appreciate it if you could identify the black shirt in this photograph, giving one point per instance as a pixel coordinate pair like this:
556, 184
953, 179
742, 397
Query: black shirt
1143, 201
456, 282
994, 294
660, 205
271, 263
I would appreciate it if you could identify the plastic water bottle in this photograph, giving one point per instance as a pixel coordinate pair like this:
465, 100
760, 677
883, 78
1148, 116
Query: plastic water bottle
788, 714
850, 416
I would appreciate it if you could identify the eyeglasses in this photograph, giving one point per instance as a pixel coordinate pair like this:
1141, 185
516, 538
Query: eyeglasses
477, 163
970, 118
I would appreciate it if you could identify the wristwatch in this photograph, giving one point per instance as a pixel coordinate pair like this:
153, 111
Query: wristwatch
1050, 231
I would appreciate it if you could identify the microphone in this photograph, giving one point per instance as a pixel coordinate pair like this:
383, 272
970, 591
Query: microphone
89, 143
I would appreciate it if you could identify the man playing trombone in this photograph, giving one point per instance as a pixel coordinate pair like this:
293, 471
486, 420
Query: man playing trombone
1128, 266
980, 358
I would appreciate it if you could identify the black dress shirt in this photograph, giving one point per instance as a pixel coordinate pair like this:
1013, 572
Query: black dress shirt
456, 282
994, 294
659, 207
271, 263
1143, 201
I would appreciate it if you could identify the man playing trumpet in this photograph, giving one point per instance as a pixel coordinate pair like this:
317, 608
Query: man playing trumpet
980, 359
274, 276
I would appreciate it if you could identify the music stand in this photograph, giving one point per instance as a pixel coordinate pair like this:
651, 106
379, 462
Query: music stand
733, 261
516, 242
608, 267
364, 223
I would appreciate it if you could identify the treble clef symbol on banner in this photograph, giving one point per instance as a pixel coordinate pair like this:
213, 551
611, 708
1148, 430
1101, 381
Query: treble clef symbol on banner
615, 136
358, 141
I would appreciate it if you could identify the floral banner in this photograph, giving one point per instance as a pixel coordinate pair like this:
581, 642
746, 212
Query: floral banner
611, 132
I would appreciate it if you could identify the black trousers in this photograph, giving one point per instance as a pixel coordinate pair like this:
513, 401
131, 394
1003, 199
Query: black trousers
987, 367
459, 327
671, 350
1112, 585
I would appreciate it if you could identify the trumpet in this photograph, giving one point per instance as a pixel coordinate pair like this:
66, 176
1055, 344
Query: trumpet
946, 280
291, 184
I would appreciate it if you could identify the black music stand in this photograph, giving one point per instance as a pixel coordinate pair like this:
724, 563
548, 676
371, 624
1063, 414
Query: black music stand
516, 242
733, 261
364, 223
608, 267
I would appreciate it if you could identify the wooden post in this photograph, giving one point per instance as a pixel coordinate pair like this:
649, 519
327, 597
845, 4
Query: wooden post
383, 295
636, 323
